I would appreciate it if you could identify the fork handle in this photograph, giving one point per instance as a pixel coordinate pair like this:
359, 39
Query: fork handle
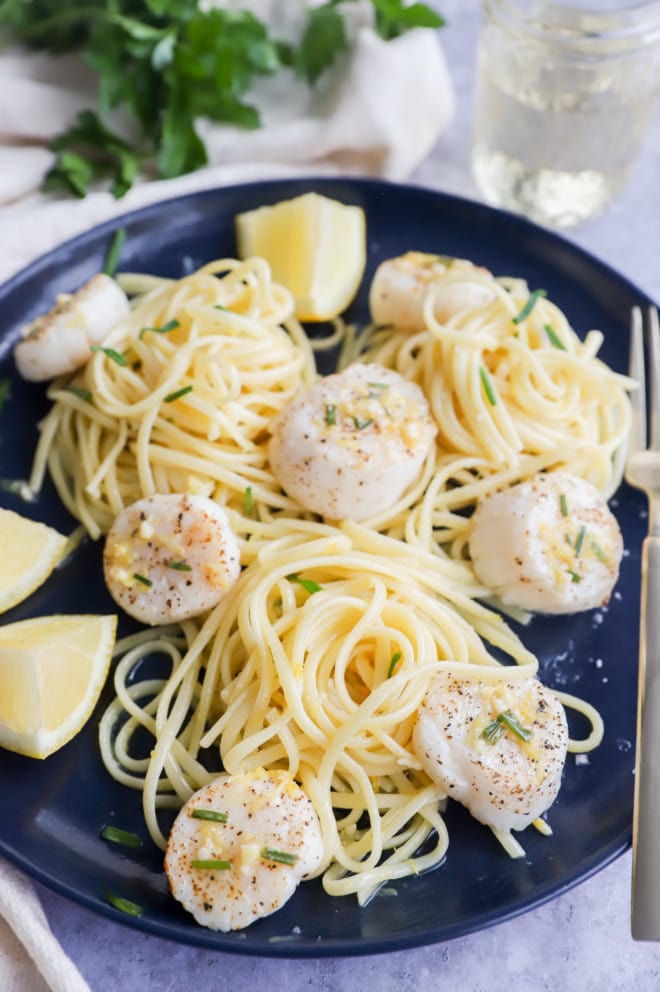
645, 909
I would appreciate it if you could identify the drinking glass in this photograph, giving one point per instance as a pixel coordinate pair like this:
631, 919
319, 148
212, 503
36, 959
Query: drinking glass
563, 98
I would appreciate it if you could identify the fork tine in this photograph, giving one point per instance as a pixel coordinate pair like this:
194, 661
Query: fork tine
636, 371
654, 358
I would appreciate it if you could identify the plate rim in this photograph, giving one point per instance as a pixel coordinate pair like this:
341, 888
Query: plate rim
327, 947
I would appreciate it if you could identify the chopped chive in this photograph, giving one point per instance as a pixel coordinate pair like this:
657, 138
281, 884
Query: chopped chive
488, 386
307, 584
171, 397
284, 857
248, 501
554, 340
361, 424
143, 579
579, 541
125, 905
209, 814
180, 566
378, 385
512, 723
115, 356
219, 306
574, 576
164, 329
598, 551
210, 864
396, 658
529, 306
492, 732
118, 836
563, 505
114, 251
505, 721
330, 414
82, 394
5, 391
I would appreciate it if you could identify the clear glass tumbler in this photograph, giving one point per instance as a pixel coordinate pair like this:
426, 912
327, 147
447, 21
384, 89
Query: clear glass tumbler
563, 98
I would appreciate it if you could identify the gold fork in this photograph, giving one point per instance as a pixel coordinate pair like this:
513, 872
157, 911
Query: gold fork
643, 472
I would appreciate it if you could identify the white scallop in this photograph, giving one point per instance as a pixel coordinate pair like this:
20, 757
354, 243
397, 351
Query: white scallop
59, 342
169, 557
350, 446
266, 812
506, 783
549, 544
401, 285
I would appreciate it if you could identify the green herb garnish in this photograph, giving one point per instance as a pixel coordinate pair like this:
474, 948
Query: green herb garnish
5, 392
529, 306
284, 857
579, 541
248, 501
505, 721
512, 723
396, 658
171, 325
554, 340
209, 814
142, 578
180, 566
82, 394
125, 905
574, 576
493, 731
169, 66
488, 386
211, 864
171, 397
110, 353
598, 551
308, 584
563, 505
360, 425
330, 414
118, 836
114, 251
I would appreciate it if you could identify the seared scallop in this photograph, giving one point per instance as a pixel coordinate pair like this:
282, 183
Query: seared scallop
350, 446
240, 846
169, 557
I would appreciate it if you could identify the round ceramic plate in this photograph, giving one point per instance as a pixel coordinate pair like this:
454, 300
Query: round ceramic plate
53, 811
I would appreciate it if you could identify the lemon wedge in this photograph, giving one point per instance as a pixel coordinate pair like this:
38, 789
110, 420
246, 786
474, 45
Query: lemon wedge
52, 670
30, 552
315, 246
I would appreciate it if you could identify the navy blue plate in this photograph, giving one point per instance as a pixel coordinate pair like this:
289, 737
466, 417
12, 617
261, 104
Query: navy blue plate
53, 811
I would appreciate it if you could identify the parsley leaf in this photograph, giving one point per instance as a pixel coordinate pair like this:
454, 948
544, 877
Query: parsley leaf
323, 39
168, 64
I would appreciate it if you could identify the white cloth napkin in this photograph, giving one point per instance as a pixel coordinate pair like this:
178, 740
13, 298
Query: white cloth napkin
31, 959
378, 111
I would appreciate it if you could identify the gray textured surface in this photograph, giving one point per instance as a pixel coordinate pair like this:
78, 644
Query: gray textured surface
579, 941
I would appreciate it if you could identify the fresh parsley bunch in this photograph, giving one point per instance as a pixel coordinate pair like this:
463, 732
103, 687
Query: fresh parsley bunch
168, 63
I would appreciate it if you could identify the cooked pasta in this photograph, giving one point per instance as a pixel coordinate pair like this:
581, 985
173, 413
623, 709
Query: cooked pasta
317, 660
